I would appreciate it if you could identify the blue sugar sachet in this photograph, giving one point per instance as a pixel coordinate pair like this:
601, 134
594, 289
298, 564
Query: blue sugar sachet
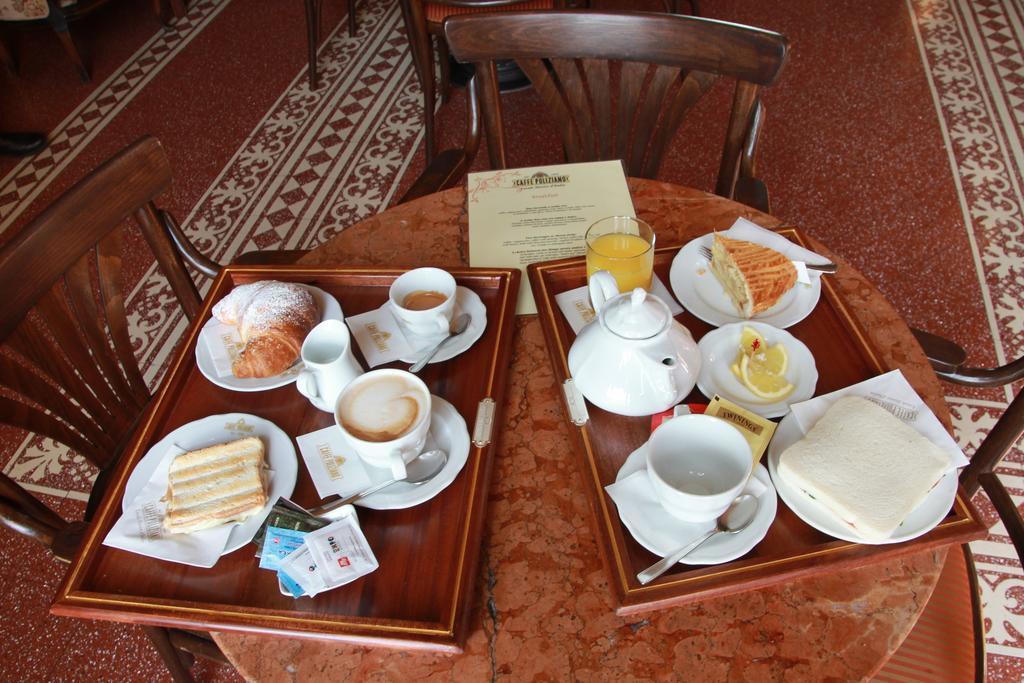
278, 544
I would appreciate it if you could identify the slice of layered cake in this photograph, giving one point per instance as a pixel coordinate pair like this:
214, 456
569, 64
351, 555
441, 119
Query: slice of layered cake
754, 277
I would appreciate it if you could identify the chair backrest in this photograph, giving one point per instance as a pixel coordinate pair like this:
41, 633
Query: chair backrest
66, 361
619, 84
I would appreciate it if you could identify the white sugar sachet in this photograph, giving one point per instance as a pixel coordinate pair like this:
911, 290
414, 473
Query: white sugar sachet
341, 552
224, 344
333, 465
379, 336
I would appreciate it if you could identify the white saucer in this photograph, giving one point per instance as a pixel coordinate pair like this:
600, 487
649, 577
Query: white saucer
216, 429
330, 310
466, 301
448, 432
699, 291
925, 517
718, 350
659, 533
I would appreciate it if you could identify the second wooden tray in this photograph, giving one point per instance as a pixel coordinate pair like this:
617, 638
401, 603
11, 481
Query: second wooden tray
791, 548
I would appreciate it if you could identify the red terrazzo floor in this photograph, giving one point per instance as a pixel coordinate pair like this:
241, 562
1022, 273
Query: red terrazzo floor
852, 151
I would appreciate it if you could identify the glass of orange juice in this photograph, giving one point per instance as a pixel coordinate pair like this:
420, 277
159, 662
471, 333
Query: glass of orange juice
624, 246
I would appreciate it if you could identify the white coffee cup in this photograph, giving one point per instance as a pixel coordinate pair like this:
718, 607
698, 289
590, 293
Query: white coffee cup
329, 364
428, 284
384, 416
697, 465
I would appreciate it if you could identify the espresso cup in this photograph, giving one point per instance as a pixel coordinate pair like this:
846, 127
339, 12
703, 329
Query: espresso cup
697, 465
384, 416
423, 301
329, 364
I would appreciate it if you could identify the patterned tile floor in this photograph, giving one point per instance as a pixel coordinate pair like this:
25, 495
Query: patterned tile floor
894, 136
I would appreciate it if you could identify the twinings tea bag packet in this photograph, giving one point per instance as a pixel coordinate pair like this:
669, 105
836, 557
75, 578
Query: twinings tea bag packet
758, 431
341, 552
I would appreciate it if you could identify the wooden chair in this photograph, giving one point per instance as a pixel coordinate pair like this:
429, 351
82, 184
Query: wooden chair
618, 85
423, 25
948, 640
313, 34
67, 367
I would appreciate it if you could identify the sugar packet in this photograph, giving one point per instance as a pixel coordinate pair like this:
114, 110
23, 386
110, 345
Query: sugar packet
300, 568
341, 551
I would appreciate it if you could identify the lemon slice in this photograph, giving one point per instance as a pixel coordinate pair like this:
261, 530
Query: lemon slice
751, 341
774, 360
766, 385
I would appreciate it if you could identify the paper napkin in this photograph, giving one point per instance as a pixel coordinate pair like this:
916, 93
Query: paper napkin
893, 392
140, 528
743, 229
639, 506
224, 344
576, 308
333, 465
379, 336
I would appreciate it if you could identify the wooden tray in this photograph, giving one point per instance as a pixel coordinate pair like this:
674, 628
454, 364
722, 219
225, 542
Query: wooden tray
792, 548
421, 594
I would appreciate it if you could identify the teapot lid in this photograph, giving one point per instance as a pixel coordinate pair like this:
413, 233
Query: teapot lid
636, 315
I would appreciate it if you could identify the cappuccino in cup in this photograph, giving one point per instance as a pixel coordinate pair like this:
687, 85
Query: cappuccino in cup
381, 409
384, 416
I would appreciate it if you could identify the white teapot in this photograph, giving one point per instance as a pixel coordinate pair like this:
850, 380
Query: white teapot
635, 359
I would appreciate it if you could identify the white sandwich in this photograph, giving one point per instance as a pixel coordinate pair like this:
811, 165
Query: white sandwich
865, 465
216, 485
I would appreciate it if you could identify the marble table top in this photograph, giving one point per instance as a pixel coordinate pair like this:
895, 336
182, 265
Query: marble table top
544, 608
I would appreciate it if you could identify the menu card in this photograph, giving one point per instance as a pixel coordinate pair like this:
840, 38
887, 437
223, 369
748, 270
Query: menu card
524, 215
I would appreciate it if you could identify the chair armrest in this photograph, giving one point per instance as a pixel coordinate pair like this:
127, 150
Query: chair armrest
1006, 509
446, 170
943, 354
188, 251
753, 193
275, 257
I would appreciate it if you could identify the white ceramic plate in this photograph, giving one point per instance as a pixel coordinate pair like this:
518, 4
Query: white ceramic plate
329, 308
699, 291
721, 548
925, 517
447, 431
718, 350
216, 429
466, 301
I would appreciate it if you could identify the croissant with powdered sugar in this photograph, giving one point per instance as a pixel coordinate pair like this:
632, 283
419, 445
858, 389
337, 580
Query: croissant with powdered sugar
273, 318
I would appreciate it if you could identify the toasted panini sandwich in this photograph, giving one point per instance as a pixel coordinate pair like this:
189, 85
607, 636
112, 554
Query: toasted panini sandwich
754, 277
216, 485
865, 465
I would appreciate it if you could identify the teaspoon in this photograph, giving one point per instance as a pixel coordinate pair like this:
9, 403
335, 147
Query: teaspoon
419, 470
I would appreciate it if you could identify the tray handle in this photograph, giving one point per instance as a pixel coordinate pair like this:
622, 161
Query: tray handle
575, 403
484, 424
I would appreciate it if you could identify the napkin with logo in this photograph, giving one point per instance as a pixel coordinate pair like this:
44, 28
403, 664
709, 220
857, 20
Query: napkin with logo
334, 467
224, 344
140, 528
638, 504
893, 392
576, 308
745, 230
379, 336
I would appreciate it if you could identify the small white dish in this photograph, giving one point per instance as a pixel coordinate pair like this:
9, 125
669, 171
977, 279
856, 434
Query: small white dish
215, 429
925, 517
448, 432
699, 291
661, 533
466, 301
718, 349
330, 309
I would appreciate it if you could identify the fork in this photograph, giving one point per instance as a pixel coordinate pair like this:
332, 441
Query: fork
823, 267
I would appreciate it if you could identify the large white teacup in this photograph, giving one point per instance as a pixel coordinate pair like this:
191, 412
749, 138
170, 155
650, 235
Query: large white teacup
329, 364
697, 465
384, 416
423, 300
